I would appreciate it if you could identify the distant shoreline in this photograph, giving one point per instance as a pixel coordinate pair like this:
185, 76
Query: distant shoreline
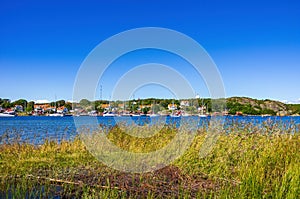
182, 107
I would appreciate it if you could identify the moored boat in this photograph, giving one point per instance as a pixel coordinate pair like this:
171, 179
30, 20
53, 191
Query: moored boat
135, 115
154, 115
6, 115
109, 114
56, 115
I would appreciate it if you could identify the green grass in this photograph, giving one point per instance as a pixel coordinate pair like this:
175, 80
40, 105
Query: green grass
246, 163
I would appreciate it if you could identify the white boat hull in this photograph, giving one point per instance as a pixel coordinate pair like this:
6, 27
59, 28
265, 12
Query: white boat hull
6, 115
109, 115
154, 115
56, 115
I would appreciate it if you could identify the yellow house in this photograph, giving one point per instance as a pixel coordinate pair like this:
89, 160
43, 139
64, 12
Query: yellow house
172, 106
105, 106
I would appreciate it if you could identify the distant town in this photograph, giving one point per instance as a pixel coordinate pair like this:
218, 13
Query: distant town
150, 107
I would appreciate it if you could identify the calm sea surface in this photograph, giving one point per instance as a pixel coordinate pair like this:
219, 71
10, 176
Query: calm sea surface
36, 129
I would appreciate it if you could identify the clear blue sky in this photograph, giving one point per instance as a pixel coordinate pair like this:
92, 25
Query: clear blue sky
255, 44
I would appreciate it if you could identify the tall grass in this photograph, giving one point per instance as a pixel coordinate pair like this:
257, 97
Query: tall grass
248, 161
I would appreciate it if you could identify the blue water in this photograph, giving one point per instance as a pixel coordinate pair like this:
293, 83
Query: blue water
36, 129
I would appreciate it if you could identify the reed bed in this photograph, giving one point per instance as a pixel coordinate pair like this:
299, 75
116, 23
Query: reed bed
249, 160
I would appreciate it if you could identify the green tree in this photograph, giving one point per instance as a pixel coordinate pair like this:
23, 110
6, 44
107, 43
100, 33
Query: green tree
164, 104
20, 102
60, 103
30, 106
145, 110
5, 103
155, 108
68, 105
133, 106
85, 102
268, 111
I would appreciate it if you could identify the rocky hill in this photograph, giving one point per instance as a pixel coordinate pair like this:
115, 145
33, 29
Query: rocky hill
249, 106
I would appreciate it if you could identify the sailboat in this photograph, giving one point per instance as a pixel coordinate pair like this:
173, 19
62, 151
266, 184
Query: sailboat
185, 113
153, 114
173, 114
202, 110
134, 114
125, 113
109, 113
56, 114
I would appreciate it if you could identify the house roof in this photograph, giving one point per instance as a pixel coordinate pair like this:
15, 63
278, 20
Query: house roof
42, 102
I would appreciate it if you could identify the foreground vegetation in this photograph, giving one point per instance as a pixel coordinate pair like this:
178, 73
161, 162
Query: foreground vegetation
246, 162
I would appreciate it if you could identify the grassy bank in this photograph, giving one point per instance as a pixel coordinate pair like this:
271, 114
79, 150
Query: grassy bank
248, 162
